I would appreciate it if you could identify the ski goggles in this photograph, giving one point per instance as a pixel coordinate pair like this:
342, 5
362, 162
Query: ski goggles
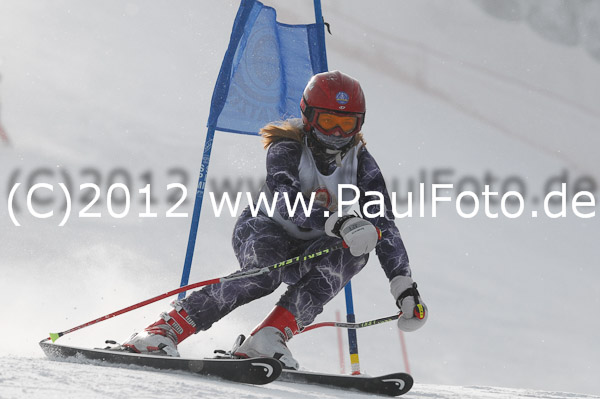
345, 125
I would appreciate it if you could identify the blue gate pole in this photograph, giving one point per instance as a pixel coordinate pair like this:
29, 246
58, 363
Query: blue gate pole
216, 106
189, 255
352, 338
321, 34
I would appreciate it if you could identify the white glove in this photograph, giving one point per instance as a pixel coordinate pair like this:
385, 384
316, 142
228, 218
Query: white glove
359, 234
408, 300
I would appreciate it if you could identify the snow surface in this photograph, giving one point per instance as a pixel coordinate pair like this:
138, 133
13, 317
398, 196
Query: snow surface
107, 85
42, 378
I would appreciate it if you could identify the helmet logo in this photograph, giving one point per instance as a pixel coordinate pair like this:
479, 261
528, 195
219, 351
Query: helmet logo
342, 97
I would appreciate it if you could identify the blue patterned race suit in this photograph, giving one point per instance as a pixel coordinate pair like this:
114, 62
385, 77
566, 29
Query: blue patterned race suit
260, 241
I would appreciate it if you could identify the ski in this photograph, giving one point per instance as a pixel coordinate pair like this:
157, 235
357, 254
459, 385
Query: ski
395, 384
392, 384
250, 371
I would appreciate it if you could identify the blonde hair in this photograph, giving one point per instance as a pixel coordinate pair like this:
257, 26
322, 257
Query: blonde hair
276, 131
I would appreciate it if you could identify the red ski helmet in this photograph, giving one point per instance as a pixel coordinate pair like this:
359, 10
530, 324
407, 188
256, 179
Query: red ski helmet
334, 104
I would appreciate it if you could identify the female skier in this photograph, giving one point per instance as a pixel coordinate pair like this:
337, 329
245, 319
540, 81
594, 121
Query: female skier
312, 155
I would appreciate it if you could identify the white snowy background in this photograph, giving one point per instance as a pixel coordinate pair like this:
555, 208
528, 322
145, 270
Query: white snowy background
514, 303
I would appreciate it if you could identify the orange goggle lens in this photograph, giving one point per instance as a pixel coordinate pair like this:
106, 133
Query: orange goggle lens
331, 121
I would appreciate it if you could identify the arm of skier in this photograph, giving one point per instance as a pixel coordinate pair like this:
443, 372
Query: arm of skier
390, 249
283, 158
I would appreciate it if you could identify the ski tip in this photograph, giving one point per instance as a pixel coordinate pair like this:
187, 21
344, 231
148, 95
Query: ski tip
54, 337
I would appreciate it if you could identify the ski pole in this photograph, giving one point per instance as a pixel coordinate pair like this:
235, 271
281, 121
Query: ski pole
351, 326
235, 276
